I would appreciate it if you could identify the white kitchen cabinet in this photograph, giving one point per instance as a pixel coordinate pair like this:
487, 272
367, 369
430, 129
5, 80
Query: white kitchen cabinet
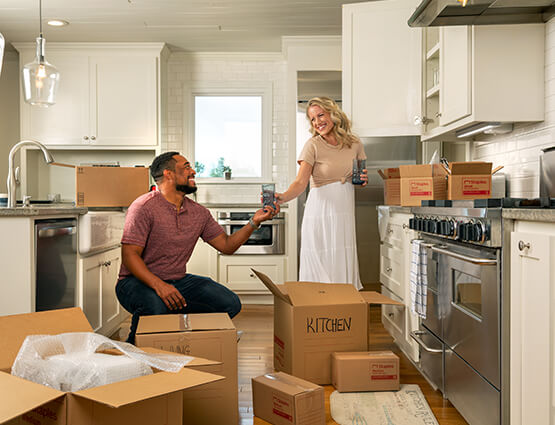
98, 277
204, 259
109, 96
532, 324
235, 272
395, 252
382, 68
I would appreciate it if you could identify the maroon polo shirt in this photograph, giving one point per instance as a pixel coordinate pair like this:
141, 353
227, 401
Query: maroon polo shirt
167, 235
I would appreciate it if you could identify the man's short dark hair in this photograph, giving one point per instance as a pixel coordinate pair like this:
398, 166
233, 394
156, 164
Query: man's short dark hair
164, 161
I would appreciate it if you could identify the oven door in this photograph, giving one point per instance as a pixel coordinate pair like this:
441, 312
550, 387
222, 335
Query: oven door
269, 238
470, 291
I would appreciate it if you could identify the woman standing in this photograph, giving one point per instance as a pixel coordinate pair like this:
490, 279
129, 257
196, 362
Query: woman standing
328, 239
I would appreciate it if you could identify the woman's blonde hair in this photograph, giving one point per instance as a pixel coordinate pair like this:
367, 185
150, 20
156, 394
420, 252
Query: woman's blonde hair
341, 124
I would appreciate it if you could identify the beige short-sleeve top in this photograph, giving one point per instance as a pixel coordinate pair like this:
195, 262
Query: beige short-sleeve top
330, 163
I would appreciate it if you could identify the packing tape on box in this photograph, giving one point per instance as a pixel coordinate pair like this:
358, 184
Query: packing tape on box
70, 361
285, 380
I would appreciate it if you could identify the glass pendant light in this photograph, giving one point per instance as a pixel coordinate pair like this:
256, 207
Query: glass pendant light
40, 79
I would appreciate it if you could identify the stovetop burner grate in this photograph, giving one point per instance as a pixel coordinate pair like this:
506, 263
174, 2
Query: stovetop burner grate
492, 203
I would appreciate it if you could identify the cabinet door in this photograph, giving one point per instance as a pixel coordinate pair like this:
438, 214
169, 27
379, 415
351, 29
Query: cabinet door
67, 121
531, 337
110, 271
455, 70
91, 271
123, 93
382, 68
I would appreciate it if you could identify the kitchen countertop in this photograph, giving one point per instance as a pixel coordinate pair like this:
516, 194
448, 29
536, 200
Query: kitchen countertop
529, 214
397, 209
42, 210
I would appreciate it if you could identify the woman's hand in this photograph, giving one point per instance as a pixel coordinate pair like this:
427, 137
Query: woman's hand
280, 199
364, 177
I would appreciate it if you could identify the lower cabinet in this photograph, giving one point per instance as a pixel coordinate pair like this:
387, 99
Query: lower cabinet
98, 275
235, 272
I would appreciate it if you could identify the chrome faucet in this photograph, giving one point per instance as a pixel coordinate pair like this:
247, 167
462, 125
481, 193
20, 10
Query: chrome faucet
11, 183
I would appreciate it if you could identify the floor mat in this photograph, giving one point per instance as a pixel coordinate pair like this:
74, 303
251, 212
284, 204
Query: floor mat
408, 406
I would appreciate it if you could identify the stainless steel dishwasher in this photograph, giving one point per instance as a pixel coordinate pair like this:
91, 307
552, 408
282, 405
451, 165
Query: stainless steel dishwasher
56, 263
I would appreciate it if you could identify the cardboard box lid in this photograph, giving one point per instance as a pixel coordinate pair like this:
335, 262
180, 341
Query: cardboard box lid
144, 387
422, 170
280, 292
390, 173
20, 396
373, 297
363, 355
286, 383
14, 329
473, 167
323, 294
184, 323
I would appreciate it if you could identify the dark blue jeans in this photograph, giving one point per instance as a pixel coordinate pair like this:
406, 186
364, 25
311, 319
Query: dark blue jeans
202, 295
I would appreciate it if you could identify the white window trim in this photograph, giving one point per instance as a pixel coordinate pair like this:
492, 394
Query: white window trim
230, 88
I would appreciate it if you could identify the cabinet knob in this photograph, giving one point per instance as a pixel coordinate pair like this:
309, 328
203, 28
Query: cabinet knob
390, 230
405, 226
522, 245
418, 120
391, 314
93, 137
85, 137
251, 275
438, 115
388, 269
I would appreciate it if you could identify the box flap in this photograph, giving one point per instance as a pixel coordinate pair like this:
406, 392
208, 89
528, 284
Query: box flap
373, 297
197, 361
422, 170
14, 329
288, 384
145, 387
280, 293
184, 323
20, 396
473, 167
323, 294
390, 173
363, 355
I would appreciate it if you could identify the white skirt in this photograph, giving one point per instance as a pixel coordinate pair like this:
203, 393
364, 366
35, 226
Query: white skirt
328, 236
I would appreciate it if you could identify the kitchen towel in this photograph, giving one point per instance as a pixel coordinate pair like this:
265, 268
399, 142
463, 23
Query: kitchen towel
418, 278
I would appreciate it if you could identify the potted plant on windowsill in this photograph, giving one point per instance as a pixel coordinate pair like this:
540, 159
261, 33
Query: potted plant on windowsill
227, 172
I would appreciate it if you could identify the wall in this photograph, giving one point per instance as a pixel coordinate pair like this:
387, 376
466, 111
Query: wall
202, 68
519, 151
9, 112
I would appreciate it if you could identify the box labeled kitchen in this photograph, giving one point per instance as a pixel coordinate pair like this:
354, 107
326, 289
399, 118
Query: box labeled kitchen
109, 186
282, 399
391, 186
211, 336
365, 371
469, 180
148, 399
311, 321
422, 182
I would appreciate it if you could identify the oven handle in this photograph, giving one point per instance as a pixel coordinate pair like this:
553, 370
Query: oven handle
473, 260
416, 336
244, 222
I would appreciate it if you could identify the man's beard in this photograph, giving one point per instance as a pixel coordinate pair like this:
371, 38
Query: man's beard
185, 188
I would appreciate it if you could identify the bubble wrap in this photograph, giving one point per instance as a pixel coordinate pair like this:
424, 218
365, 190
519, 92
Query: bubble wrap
70, 362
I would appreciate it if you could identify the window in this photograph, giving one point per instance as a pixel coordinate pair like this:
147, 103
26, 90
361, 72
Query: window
231, 132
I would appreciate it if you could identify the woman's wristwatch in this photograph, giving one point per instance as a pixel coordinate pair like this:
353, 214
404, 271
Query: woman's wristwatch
253, 224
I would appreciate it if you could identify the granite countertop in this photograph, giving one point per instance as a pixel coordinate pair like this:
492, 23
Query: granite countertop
529, 214
42, 210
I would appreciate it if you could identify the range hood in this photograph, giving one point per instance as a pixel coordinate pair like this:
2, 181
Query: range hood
481, 12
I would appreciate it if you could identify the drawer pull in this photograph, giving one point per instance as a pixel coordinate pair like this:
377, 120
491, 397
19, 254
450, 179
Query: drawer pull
391, 314
405, 226
388, 269
390, 230
522, 245
251, 275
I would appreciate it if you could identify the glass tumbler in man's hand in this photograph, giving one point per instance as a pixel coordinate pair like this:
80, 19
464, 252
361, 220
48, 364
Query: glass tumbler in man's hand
268, 195
358, 166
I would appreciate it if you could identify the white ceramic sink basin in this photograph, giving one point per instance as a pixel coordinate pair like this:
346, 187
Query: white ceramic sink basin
100, 230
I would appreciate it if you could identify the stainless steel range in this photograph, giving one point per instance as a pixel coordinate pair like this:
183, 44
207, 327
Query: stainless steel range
460, 339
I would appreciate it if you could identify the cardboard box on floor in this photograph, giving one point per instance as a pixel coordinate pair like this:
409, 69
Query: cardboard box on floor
312, 320
212, 336
469, 180
365, 371
109, 186
391, 186
422, 182
282, 399
145, 400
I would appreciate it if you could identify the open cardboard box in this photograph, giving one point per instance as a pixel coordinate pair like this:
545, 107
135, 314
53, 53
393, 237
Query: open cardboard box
313, 320
391, 185
469, 180
145, 400
208, 335
422, 182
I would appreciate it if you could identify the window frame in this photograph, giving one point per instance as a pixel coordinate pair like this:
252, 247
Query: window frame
220, 89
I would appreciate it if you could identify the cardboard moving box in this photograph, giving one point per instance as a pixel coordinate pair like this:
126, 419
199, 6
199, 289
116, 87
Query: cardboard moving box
422, 182
145, 400
109, 186
212, 336
365, 371
282, 399
391, 185
469, 180
312, 320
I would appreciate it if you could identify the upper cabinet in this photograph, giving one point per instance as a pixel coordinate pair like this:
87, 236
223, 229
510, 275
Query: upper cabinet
437, 80
109, 96
381, 68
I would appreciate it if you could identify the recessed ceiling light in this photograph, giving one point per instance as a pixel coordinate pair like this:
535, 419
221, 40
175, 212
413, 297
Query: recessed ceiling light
58, 23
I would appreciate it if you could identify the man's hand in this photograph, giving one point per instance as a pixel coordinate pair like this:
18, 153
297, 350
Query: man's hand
171, 296
266, 213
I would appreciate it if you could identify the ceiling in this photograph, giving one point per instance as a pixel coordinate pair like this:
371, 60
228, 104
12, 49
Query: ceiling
185, 25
